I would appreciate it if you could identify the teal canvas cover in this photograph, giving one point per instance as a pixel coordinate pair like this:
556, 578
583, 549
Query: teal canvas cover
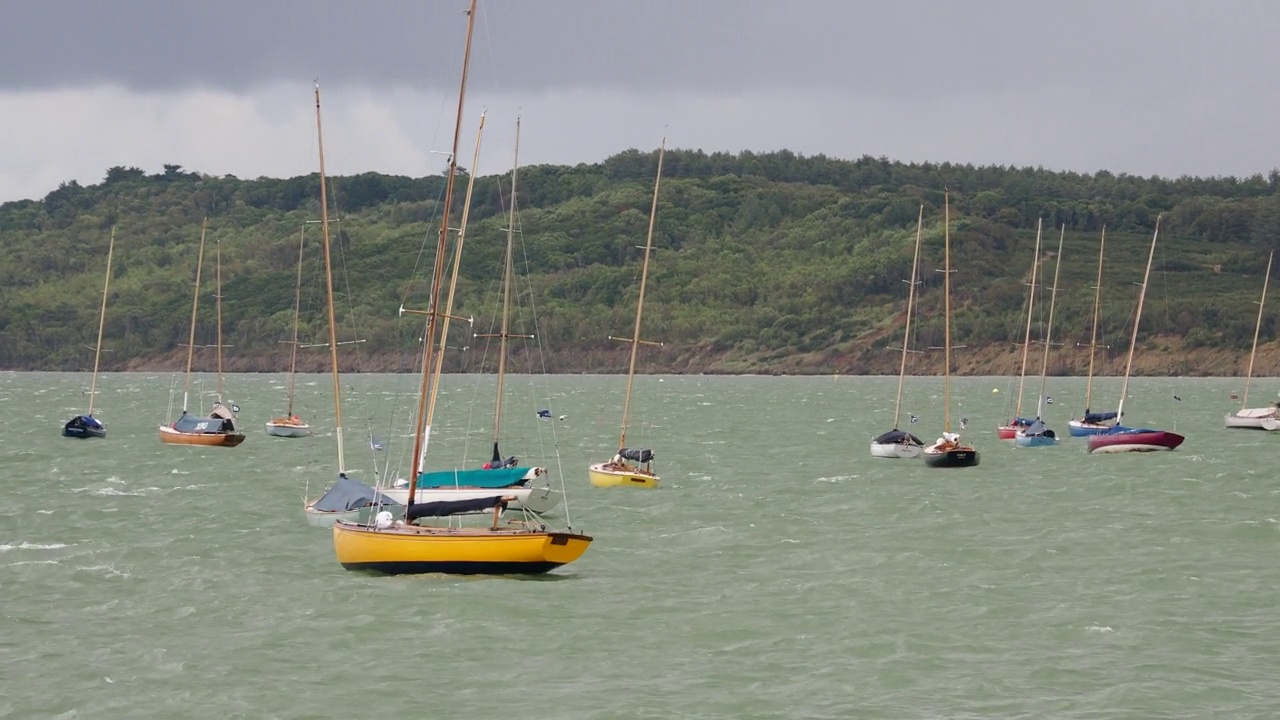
499, 478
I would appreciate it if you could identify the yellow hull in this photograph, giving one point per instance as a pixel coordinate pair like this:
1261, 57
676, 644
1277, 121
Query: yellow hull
169, 436
602, 476
466, 551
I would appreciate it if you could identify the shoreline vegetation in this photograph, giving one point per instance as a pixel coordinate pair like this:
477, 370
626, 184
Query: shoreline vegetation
769, 264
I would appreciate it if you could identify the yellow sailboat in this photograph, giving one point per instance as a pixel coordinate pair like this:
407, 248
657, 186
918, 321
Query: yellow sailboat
407, 545
633, 467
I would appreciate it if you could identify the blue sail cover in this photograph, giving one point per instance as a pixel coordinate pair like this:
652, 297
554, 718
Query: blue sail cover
1095, 418
898, 437
348, 494
1021, 422
495, 478
194, 424
445, 508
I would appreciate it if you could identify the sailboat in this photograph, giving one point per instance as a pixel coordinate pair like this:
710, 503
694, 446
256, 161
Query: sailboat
1093, 423
1264, 418
898, 443
1037, 434
948, 450
633, 467
1118, 438
527, 485
86, 425
1011, 428
522, 545
219, 428
346, 497
290, 425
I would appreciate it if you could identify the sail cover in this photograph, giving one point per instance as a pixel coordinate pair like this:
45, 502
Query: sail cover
348, 494
1094, 418
87, 422
196, 425
897, 437
640, 456
1038, 428
444, 508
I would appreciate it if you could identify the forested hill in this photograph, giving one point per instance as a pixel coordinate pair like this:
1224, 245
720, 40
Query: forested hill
764, 263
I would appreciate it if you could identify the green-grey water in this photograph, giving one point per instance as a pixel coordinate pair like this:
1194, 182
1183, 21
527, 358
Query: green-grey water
779, 572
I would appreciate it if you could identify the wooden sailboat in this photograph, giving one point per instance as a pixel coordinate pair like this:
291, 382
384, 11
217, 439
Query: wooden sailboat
633, 467
219, 427
1264, 418
406, 546
948, 450
290, 425
1118, 438
86, 425
1038, 434
898, 443
527, 485
1093, 423
1008, 430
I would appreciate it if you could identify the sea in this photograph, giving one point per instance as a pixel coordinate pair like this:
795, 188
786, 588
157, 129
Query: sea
778, 572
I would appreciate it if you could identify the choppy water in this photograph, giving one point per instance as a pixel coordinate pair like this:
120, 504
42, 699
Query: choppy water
780, 572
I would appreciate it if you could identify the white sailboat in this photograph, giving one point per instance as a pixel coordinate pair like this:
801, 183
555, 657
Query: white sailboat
528, 486
1010, 429
633, 467
86, 425
1263, 418
1038, 434
1092, 423
899, 443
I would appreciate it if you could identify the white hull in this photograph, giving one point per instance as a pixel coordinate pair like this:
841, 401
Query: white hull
288, 431
895, 450
317, 518
1253, 418
538, 499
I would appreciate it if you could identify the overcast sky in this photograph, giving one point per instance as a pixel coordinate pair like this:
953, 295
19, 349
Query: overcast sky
1167, 87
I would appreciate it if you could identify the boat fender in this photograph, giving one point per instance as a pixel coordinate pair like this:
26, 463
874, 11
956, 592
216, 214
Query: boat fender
383, 520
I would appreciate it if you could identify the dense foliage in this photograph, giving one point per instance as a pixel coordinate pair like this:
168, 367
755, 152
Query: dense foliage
763, 262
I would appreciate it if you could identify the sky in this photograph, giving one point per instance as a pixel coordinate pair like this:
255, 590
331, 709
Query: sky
1145, 87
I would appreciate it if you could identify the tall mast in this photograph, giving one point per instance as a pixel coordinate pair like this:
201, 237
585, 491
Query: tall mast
297, 309
195, 301
102, 319
1257, 326
906, 334
644, 275
1093, 336
438, 274
946, 294
1026, 339
507, 275
1048, 330
1137, 318
217, 303
328, 279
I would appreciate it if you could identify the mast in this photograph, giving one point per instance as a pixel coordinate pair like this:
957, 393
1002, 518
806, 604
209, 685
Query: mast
507, 275
1048, 331
1137, 318
102, 319
946, 294
644, 275
195, 301
217, 302
424, 408
1026, 339
297, 309
1093, 336
1248, 375
906, 335
328, 280
461, 241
